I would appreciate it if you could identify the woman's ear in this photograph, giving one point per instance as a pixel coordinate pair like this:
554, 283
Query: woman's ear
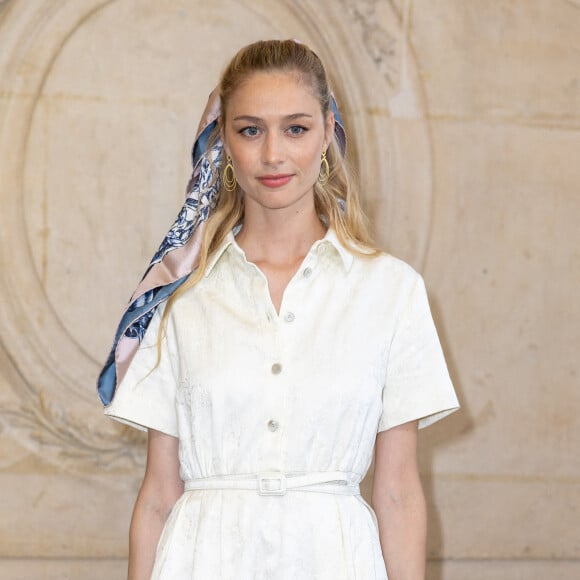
226, 149
223, 135
328, 129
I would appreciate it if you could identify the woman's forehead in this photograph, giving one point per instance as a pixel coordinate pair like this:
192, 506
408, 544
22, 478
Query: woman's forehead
280, 93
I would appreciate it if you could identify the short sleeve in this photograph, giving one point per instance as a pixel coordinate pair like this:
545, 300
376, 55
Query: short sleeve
145, 398
417, 384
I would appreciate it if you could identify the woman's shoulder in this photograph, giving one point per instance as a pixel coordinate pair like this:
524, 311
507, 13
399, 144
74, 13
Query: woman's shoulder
385, 282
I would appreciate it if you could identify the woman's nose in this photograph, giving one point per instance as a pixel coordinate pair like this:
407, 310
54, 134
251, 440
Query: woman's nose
272, 152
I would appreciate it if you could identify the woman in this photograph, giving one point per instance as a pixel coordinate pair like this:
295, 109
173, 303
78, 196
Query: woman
273, 369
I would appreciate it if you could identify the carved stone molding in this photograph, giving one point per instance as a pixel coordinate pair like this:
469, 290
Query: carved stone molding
381, 43
98, 101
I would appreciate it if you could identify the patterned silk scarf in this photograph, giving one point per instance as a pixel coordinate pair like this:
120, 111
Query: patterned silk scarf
178, 254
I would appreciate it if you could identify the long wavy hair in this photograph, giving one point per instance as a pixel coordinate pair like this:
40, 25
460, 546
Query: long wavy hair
330, 197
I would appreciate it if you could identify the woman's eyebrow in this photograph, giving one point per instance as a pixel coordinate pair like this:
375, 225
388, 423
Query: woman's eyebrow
251, 119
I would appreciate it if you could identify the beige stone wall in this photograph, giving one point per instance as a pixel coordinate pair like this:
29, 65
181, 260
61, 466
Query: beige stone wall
464, 118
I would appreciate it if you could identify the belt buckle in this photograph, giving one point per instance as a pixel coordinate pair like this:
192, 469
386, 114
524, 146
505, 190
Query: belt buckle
280, 490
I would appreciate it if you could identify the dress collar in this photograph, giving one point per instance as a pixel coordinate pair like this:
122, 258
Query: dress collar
330, 240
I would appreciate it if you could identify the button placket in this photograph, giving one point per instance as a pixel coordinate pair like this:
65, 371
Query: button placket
278, 381
273, 420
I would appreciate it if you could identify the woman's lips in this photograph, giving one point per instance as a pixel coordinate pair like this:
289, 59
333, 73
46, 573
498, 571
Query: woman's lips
275, 180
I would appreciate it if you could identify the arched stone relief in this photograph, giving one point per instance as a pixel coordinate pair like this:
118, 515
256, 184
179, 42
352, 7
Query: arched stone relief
98, 104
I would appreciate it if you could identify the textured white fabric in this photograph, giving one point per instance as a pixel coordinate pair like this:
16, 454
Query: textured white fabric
353, 351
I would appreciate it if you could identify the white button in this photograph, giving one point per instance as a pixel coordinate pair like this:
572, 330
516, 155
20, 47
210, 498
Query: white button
289, 317
273, 425
321, 249
307, 272
276, 368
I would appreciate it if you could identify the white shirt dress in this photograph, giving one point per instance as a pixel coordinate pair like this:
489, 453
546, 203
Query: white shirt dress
267, 398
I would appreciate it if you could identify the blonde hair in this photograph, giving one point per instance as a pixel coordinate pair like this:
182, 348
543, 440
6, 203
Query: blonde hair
349, 223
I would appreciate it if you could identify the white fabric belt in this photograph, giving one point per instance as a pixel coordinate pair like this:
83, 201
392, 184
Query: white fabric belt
278, 483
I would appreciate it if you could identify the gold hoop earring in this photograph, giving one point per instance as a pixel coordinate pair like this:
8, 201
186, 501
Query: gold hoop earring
228, 176
324, 170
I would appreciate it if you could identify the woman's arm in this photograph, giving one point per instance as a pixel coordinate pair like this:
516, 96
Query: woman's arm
399, 503
159, 491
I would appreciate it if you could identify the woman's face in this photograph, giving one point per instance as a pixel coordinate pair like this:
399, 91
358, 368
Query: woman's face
275, 133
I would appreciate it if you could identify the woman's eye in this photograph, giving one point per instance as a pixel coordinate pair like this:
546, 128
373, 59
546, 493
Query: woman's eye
297, 130
250, 131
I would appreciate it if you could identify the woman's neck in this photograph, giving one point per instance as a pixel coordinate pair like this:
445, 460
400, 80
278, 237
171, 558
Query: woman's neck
277, 239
